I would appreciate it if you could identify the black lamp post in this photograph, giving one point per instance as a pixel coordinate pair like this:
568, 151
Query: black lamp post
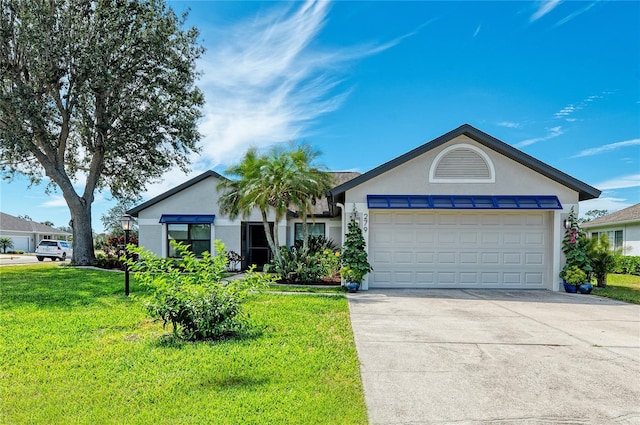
127, 222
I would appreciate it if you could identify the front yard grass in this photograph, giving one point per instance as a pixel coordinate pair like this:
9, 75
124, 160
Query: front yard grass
623, 287
75, 350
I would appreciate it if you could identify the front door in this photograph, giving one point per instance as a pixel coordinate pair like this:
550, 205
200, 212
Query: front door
255, 248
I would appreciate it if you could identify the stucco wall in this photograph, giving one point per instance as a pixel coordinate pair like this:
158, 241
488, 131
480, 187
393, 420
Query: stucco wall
199, 198
230, 235
150, 237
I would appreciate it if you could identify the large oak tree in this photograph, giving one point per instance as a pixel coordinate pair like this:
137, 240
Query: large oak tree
96, 95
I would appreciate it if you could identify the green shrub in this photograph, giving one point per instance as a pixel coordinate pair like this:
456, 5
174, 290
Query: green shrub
113, 248
326, 251
573, 275
318, 244
307, 265
298, 265
331, 263
107, 261
626, 265
190, 293
355, 264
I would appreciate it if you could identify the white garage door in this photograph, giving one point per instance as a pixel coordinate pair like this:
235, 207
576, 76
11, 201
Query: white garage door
20, 243
445, 249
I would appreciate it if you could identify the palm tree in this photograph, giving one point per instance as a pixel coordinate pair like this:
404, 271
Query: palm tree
5, 243
252, 189
274, 180
308, 184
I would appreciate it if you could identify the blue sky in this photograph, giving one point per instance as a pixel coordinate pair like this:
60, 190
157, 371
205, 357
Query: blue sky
364, 82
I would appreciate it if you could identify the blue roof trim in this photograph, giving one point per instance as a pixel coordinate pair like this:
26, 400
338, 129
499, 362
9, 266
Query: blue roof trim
187, 218
465, 202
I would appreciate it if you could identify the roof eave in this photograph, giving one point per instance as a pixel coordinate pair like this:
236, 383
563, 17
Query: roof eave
588, 224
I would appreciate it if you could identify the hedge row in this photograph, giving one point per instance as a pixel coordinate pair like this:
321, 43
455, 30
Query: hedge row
626, 265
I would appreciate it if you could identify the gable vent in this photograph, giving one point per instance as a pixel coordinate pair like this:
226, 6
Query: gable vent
462, 164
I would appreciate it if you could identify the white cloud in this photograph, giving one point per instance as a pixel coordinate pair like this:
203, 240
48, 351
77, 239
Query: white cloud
509, 124
603, 203
552, 133
576, 13
265, 81
566, 112
544, 8
622, 182
607, 148
55, 202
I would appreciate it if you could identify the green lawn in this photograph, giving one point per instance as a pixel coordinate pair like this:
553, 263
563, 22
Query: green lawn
75, 350
623, 287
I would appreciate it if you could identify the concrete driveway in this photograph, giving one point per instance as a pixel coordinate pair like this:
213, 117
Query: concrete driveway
497, 357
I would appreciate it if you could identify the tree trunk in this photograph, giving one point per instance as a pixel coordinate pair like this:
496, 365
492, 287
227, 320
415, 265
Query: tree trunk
305, 231
270, 238
602, 281
83, 253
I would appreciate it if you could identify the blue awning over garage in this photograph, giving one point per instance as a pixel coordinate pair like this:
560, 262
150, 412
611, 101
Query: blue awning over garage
466, 202
187, 218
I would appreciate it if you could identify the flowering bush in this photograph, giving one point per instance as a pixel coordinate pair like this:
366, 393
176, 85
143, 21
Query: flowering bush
331, 262
575, 247
351, 275
113, 249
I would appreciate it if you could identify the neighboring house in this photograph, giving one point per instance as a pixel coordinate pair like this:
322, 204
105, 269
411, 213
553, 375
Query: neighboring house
465, 210
621, 227
26, 234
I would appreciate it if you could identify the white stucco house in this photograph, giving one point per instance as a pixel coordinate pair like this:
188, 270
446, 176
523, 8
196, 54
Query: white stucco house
464, 210
621, 227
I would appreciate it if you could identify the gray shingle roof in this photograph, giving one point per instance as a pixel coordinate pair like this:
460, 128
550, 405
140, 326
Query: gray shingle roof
339, 177
629, 214
15, 224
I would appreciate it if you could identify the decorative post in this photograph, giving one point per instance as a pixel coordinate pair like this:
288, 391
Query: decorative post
126, 221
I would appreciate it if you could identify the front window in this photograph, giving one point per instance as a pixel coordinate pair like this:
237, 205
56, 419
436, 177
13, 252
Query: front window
314, 229
198, 236
614, 237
